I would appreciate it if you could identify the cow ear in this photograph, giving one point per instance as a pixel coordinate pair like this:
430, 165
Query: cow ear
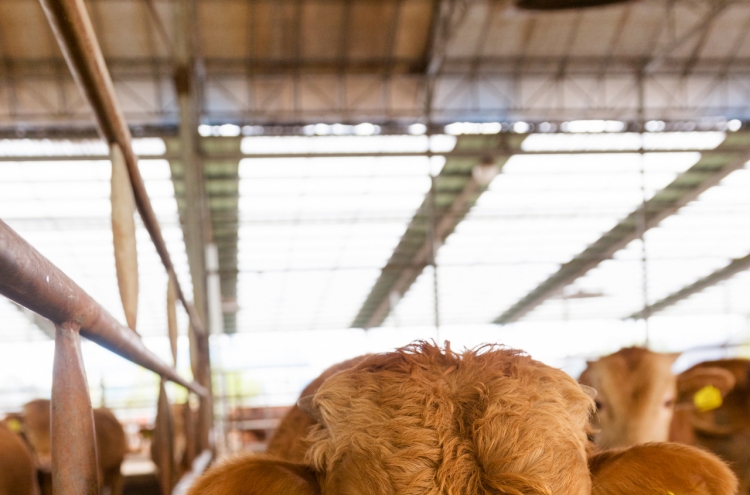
590, 391
692, 381
308, 407
257, 475
659, 468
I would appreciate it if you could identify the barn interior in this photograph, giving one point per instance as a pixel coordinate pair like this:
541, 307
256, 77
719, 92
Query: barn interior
338, 177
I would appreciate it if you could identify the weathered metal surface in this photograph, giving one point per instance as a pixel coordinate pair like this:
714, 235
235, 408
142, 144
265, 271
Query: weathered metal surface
74, 461
31, 280
75, 35
201, 367
123, 235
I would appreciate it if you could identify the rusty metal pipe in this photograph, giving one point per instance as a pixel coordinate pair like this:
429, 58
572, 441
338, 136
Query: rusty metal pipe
72, 27
31, 280
74, 460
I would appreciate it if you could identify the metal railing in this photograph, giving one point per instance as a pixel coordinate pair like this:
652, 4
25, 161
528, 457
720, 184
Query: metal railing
31, 280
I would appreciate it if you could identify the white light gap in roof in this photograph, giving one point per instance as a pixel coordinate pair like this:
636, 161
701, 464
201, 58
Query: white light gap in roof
701, 238
437, 143
315, 233
82, 147
626, 141
537, 214
62, 208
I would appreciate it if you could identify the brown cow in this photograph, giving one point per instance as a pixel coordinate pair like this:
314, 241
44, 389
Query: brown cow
17, 471
426, 421
110, 440
660, 468
724, 430
288, 442
637, 392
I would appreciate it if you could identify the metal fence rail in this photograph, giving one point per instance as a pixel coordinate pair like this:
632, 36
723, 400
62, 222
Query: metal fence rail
31, 280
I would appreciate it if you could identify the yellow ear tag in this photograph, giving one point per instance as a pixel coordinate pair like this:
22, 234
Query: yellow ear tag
707, 399
670, 493
14, 425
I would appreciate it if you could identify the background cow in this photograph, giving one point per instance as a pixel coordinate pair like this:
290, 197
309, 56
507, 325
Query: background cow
663, 468
636, 395
17, 471
110, 440
425, 421
724, 430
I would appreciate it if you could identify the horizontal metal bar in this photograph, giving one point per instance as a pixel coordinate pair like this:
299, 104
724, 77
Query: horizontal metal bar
132, 67
31, 280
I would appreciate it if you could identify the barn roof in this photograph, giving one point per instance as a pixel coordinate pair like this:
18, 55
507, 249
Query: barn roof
308, 61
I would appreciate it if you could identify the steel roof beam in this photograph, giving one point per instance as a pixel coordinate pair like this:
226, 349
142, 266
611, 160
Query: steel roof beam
709, 171
457, 189
736, 266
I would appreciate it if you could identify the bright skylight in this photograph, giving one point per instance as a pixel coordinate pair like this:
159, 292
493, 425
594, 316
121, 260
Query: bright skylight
62, 208
702, 237
628, 141
64, 147
537, 214
347, 144
315, 233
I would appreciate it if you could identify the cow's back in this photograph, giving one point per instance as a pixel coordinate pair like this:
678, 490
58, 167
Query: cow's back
17, 471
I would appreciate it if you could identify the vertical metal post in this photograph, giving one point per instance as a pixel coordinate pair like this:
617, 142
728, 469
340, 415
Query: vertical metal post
74, 462
213, 290
642, 217
198, 224
433, 240
196, 220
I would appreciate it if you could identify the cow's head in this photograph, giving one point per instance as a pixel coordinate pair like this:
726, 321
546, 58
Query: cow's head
425, 420
638, 393
636, 396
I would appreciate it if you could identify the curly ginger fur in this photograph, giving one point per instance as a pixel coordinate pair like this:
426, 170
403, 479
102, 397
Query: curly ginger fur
429, 421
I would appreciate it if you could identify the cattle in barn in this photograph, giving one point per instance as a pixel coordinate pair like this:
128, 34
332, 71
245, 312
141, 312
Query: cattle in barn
17, 470
110, 439
288, 442
636, 395
721, 425
426, 421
